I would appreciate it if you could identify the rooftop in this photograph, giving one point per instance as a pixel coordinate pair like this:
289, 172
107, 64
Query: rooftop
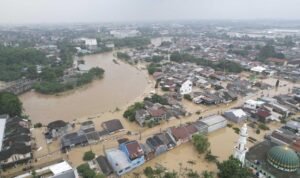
258, 153
211, 120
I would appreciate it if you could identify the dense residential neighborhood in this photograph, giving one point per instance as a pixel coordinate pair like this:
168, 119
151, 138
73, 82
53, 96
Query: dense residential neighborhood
163, 87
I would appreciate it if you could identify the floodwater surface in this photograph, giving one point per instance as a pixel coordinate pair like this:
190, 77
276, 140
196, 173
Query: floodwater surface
121, 84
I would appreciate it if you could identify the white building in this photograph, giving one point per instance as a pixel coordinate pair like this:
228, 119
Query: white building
252, 104
59, 170
186, 87
258, 69
240, 148
235, 115
214, 122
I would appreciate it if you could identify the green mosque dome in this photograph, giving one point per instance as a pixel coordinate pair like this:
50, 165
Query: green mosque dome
283, 158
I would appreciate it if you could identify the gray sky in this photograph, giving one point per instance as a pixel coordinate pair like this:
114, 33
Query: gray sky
60, 11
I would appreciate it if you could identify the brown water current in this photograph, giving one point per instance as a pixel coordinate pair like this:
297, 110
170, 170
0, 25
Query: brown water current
121, 84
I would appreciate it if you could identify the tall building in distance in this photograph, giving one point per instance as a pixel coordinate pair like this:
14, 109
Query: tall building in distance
240, 148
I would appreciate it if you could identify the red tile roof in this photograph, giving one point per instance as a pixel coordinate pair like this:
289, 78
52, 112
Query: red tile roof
134, 149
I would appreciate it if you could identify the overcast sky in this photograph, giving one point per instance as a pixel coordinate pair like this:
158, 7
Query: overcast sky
61, 11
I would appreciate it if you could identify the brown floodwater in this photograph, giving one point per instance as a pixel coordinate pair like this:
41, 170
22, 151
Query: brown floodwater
121, 84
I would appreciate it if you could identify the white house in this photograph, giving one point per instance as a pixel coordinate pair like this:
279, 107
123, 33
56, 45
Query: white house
252, 104
258, 69
62, 169
186, 87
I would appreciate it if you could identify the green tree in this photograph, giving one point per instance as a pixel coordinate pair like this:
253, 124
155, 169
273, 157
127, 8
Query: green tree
85, 171
192, 174
210, 157
170, 175
201, 143
188, 97
10, 104
130, 112
207, 174
89, 155
232, 168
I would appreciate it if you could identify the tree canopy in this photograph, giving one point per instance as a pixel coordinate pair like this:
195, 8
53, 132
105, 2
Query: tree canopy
232, 168
201, 143
268, 51
89, 155
10, 104
18, 62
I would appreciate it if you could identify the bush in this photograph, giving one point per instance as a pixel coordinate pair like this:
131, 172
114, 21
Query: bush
38, 125
210, 157
263, 127
85, 171
89, 155
188, 97
130, 112
257, 131
236, 130
201, 143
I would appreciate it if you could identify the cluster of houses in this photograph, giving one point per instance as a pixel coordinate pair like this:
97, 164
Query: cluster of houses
132, 154
204, 85
266, 109
154, 112
87, 134
15, 141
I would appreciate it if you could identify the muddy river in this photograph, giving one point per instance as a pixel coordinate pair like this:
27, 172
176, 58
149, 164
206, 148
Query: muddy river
121, 84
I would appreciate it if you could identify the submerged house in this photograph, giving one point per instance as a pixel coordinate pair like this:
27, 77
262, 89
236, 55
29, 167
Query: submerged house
182, 134
235, 115
214, 122
156, 145
128, 156
15, 141
186, 87
56, 129
73, 139
112, 126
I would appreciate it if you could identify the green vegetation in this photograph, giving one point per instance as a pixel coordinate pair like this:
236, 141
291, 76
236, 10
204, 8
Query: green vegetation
188, 97
89, 155
257, 131
152, 173
122, 55
86, 172
267, 52
131, 42
18, 62
201, 143
51, 84
263, 127
10, 104
229, 66
207, 174
210, 157
236, 130
153, 67
232, 168
38, 125
130, 112
192, 174
155, 59
157, 99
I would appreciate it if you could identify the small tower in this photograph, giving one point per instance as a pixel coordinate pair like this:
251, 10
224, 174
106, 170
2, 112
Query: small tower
240, 149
